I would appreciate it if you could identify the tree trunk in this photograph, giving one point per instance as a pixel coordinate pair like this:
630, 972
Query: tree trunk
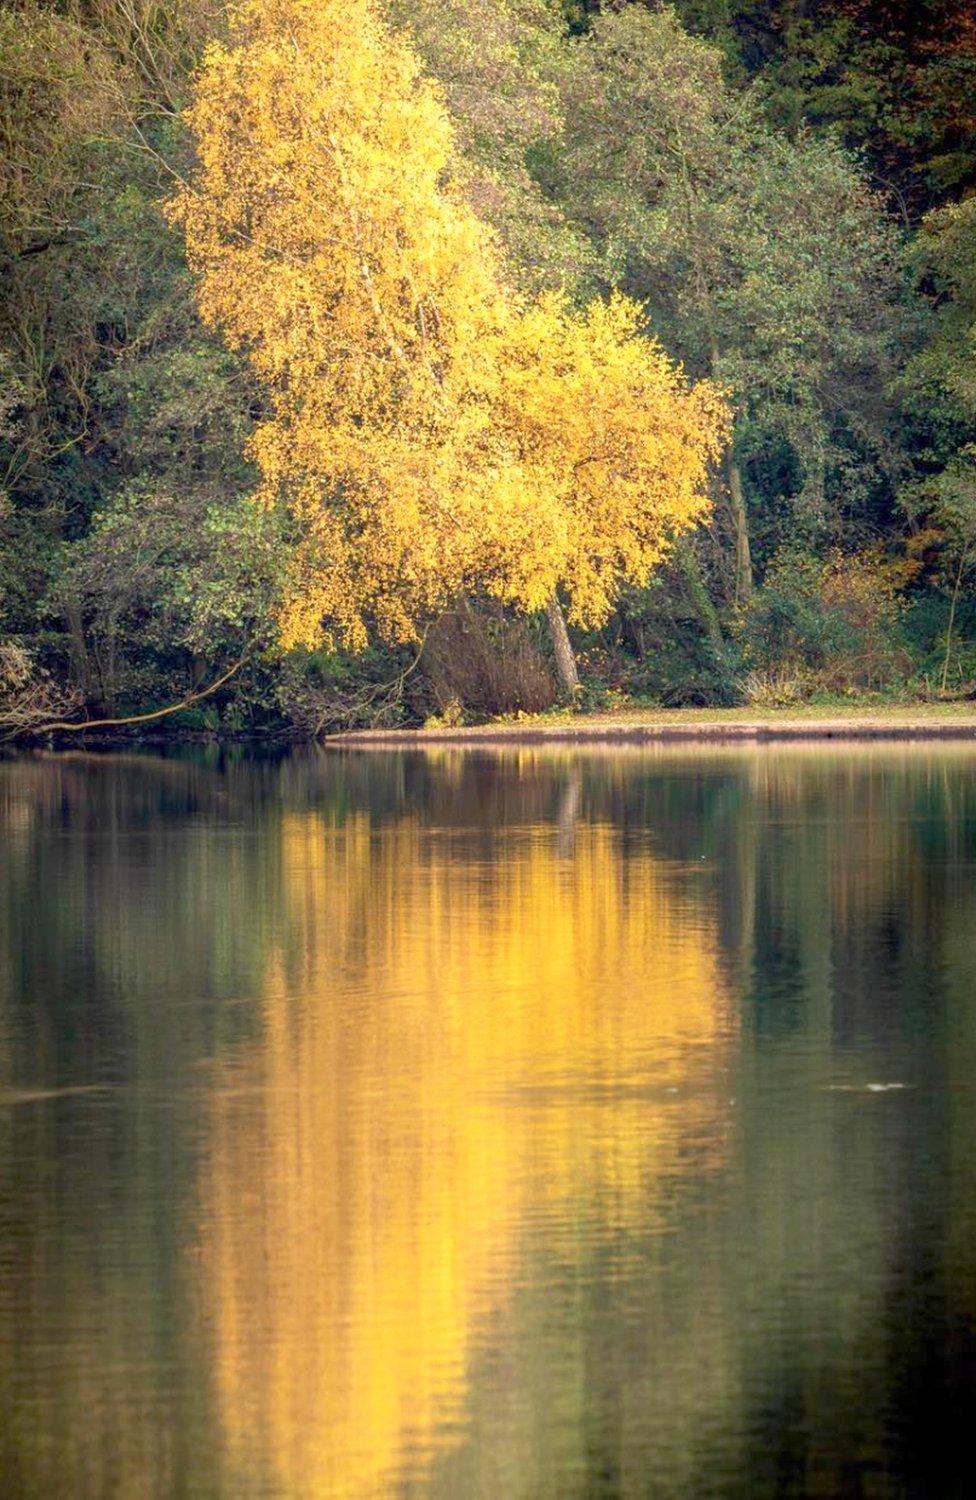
80, 662
687, 564
565, 660
736, 502
952, 619
740, 528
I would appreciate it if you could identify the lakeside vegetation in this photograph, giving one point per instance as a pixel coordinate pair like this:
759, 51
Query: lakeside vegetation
347, 353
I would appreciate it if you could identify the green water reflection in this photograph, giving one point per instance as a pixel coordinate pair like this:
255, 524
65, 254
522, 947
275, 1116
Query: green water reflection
533, 1124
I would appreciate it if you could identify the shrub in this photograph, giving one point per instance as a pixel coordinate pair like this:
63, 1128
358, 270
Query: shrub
485, 662
825, 625
320, 691
29, 697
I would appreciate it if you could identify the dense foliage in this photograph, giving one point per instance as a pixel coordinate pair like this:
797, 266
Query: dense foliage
260, 514
429, 431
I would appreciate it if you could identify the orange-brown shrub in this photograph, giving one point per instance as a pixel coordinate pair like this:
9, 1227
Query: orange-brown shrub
480, 658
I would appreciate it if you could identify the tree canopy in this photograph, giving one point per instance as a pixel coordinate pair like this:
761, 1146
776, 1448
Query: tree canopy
430, 429
224, 447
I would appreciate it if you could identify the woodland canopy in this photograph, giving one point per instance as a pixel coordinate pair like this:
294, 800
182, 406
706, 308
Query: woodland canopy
349, 352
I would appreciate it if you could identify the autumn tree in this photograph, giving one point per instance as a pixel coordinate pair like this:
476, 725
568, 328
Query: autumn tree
429, 430
613, 452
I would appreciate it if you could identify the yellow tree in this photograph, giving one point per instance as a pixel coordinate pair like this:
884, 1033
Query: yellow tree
428, 431
612, 447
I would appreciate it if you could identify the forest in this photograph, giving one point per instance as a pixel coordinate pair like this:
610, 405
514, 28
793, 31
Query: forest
422, 362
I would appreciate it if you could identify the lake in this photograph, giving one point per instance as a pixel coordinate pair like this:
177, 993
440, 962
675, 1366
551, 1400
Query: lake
532, 1123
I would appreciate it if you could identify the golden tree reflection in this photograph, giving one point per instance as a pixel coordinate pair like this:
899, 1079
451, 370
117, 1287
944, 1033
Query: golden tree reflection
453, 1044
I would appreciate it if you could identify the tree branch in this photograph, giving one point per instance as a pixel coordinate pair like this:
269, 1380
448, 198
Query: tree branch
64, 727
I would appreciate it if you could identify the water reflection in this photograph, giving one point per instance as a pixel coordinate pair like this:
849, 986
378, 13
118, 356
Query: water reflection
460, 1038
488, 1125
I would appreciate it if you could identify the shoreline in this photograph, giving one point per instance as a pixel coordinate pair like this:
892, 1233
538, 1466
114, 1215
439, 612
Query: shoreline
905, 723
708, 729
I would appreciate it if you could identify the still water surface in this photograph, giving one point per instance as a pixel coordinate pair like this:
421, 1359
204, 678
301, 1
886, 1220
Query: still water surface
532, 1124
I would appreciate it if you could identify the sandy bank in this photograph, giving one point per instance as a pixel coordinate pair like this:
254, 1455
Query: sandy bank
938, 722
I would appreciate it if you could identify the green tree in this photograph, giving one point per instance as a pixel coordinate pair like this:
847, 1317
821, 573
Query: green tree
498, 64
764, 261
128, 418
890, 79
940, 381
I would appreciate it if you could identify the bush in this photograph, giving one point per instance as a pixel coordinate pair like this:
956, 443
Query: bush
662, 649
29, 698
319, 691
829, 625
481, 661
926, 627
